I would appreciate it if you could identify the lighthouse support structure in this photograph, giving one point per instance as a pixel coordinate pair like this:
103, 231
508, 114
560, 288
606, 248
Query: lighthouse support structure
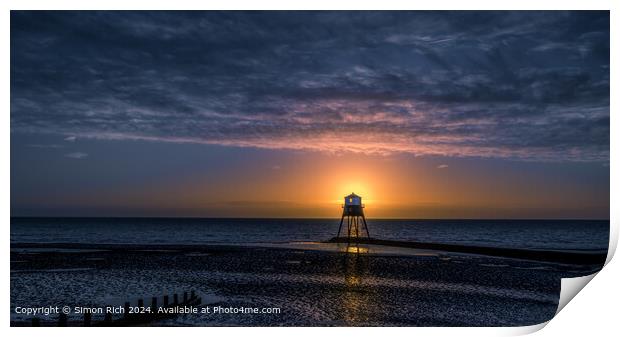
353, 224
353, 210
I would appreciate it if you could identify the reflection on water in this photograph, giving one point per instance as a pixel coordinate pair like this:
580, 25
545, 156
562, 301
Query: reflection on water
353, 248
356, 249
356, 297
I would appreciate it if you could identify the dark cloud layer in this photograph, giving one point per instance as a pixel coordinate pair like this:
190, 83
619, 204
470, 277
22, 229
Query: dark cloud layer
527, 85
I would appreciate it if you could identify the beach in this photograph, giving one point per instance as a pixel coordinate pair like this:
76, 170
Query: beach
312, 284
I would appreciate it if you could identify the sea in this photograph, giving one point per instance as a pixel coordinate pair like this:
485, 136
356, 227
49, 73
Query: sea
589, 235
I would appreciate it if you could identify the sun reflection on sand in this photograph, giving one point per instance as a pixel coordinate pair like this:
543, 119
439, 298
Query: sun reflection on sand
356, 249
353, 248
356, 298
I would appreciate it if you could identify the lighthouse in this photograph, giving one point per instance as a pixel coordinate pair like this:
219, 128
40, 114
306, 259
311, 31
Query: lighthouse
353, 210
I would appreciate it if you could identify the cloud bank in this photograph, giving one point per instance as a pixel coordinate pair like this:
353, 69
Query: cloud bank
76, 155
521, 85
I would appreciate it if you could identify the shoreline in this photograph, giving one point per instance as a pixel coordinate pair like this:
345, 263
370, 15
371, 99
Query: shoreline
554, 256
365, 246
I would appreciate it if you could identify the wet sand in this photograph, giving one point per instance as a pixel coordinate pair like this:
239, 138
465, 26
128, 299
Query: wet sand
312, 284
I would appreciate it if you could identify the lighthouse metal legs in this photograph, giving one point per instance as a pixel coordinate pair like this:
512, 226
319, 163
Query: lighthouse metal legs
340, 227
349, 227
353, 226
366, 226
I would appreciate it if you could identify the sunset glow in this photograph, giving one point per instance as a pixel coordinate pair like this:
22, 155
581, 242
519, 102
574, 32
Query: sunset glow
419, 115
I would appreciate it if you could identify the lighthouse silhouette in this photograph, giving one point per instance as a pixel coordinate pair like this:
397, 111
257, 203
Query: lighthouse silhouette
353, 210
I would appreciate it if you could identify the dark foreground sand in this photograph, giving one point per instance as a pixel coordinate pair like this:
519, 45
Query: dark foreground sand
311, 288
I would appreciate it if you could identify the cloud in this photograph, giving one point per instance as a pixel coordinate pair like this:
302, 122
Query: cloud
45, 146
521, 85
442, 166
76, 155
70, 139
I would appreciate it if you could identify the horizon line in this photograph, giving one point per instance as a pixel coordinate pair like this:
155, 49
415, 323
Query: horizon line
299, 218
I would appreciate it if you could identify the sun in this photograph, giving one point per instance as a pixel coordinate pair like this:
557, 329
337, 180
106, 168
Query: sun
358, 188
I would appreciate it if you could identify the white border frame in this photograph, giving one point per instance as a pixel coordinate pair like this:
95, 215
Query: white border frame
594, 311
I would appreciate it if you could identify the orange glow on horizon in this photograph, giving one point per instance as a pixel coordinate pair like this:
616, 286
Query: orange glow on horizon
314, 185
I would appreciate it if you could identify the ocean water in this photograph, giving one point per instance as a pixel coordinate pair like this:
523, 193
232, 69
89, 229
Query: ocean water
528, 234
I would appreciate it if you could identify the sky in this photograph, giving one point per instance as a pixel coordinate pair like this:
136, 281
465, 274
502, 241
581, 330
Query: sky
473, 114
